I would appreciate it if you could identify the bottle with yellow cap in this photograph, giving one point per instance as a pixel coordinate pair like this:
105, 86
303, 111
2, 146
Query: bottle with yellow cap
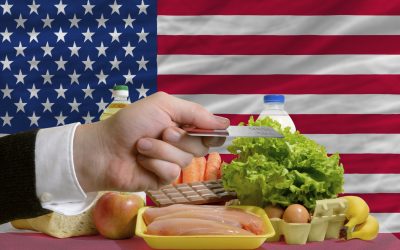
120, 101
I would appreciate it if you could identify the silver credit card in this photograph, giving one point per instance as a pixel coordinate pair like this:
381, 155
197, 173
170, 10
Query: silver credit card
235, 131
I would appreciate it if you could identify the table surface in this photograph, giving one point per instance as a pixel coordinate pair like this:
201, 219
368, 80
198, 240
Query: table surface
33, 241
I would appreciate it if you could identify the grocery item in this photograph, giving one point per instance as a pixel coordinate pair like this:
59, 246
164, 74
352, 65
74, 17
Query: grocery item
274, 211
357, 211
121, 100
274, 108
213, 166
296, 213
195, 171
204, 192
367, 230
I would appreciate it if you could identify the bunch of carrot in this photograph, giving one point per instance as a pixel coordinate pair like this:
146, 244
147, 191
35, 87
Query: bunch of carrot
201, 169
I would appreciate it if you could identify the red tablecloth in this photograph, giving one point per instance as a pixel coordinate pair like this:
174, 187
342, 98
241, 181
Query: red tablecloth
33, 241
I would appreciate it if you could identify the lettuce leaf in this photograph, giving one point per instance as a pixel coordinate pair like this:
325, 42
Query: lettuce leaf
283, 171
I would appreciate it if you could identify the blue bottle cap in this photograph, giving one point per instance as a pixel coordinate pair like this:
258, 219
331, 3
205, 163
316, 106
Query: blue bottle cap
274, 98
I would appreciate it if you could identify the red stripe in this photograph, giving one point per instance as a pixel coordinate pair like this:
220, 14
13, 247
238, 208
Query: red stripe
278, 45
277, 84
381, 203
278, 7
360, 163
337, 123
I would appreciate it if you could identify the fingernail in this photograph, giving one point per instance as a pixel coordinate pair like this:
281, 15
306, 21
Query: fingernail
221, 119
173, 135
144, 144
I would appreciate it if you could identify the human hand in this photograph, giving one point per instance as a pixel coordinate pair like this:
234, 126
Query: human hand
142, 147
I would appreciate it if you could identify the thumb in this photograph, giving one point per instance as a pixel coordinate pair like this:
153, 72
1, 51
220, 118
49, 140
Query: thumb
189, 113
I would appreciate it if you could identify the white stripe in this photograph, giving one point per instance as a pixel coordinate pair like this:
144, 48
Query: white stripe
278, 25
1, 135
371, 183
300, 104
388, 222
349, 143
277, 64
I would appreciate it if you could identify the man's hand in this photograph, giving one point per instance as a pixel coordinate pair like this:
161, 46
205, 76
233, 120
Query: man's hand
142, 147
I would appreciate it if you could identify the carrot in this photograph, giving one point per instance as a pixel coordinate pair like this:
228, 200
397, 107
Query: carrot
179, 179
213, 166
201, 164
220, 170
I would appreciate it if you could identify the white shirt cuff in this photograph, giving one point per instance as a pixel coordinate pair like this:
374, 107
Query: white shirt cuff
57, 186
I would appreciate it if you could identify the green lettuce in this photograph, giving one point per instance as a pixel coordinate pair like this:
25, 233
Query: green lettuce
283, 171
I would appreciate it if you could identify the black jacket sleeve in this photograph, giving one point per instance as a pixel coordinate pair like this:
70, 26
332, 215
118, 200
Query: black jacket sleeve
18, 198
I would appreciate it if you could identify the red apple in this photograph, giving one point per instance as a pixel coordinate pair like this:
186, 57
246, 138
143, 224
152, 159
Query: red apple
115, 214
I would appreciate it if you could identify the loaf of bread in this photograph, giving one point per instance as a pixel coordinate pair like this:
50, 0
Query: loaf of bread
60, 226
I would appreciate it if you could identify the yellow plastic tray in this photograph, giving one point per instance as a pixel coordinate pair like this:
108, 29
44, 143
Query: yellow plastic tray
206, 241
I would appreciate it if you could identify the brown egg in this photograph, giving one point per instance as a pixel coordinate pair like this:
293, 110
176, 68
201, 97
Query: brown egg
274, 211
296, 213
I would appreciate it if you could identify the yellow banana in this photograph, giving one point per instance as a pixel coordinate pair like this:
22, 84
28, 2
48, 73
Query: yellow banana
357, 211
367, 230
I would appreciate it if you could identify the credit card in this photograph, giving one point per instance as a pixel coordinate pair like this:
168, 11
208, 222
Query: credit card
235, 131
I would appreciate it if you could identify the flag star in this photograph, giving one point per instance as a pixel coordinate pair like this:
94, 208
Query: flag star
88, 8
34, 92
74, 105
34, 7
74, 77
20, 21
6, 63
142, 8
102, 105
47, 77
115, 7
6, 119
6, 92
61, 63
6, 35
102, 50
47, 105
115, 35
33, 35
60, 119
129, 77
128, 21
74, 21
47, 21
60, 35
142, 64
60, 92
88, 92
6, 7
74, 50
20, 77
142, 91
88, 118
47, 49
88, 35
102, 77
20, 106
115, 63
142, 36
101, 21
128, 49
34, 119
88, 63
34, 63
60, 7
20, 50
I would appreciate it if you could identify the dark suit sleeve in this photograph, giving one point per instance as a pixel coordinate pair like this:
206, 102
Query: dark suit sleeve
17, 178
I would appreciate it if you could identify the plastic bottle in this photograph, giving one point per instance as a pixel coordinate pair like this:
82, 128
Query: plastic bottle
274, 108
121, 100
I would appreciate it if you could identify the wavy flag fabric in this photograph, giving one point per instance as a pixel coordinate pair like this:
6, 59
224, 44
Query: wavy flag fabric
337, 63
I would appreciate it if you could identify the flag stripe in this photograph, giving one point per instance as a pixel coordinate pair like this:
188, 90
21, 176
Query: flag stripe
278, 25
301, 104
278, 64
371, 183
277, 84
388, 222
279, 7
272, 45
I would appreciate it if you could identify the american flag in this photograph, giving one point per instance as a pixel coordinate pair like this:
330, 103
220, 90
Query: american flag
336, 62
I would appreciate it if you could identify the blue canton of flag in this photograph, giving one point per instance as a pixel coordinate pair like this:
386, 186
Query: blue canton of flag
59, 59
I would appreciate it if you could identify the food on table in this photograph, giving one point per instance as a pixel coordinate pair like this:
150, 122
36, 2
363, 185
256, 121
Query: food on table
213, 166
296, 213
282, 171
227, 216
274, 211
195, 171
367, 230
115, 214
357, 211
190, 226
